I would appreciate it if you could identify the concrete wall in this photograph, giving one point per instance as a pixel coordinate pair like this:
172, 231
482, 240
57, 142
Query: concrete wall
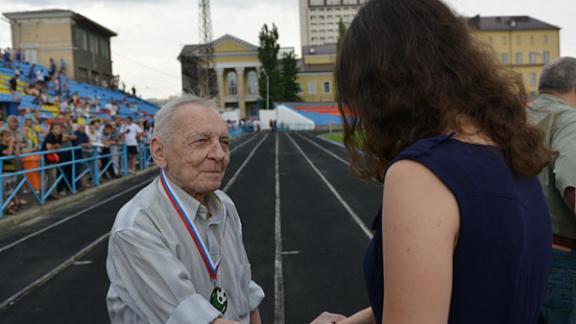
315, 81
541, 43
42, 39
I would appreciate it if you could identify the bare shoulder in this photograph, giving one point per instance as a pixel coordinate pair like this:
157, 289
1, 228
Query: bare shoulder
413, 193
411, 173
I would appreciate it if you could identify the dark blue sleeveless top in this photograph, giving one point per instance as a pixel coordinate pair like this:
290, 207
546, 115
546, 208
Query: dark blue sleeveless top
501, 261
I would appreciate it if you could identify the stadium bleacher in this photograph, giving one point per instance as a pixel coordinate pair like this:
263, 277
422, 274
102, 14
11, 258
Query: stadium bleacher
320, 114
127, 105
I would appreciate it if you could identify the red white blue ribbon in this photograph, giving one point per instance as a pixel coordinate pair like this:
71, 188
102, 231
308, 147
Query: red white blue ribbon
211, 266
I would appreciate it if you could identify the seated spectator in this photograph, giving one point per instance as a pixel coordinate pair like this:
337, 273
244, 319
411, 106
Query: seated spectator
63, 106
6, 58
51, 68
40, 76
32, 74
9, 147
62, 67
13, 83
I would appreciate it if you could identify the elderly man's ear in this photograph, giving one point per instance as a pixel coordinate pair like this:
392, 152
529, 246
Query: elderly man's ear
158, 150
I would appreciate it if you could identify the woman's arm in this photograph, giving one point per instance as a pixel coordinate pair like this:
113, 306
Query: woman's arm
420, 222
364, 316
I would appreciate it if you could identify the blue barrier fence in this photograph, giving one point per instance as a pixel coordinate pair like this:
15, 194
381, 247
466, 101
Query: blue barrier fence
75, 163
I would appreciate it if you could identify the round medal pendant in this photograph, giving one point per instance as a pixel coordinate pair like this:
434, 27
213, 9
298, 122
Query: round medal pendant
219, 300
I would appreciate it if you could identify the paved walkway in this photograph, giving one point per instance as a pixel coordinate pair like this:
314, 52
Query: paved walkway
305, 221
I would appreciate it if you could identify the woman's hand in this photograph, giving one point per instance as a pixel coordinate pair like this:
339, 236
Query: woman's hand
328, 318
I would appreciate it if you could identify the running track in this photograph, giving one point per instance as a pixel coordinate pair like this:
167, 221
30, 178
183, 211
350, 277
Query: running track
305, 221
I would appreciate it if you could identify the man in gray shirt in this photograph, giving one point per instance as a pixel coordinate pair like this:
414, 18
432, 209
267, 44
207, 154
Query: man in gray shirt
555, 112
176, 253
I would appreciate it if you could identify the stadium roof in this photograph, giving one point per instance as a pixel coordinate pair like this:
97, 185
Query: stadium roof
59, 13
507, 23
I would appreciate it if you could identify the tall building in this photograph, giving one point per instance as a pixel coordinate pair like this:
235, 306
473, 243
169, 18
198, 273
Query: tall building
235, 67
522, 43
83, 44
319, 19
316, 75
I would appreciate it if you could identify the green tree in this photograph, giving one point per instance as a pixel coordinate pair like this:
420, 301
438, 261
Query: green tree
341, 32
268, 56
289, 73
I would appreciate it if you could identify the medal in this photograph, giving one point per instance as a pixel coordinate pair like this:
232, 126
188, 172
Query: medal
218, 297
219, 300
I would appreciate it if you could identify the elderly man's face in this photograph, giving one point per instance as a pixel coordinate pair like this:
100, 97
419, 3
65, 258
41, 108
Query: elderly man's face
198, 153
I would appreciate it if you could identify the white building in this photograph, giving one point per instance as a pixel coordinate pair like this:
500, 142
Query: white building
319, 19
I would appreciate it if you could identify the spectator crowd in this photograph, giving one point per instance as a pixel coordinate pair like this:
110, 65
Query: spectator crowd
89, 124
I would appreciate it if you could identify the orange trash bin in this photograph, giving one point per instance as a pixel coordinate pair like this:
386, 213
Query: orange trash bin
32, 162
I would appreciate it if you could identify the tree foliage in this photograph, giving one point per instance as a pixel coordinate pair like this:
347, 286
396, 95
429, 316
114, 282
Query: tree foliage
289, 73
282, 73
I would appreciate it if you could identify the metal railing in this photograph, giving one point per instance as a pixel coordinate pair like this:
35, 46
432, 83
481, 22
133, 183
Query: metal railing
75, 163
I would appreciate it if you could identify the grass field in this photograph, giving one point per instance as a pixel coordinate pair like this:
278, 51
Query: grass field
336, 136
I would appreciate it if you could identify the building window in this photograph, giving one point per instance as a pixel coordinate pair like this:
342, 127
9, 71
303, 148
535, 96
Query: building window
95, 77
545, 39
545, 57
252, 83
82, 74
104, 49
504, 58
349, 2
532, 58
532, 79
504, 40
518, 40
232, 83
333, 2
531, 39
31, 55
93, 44
311, 87
316, 2
326, 87
518, 58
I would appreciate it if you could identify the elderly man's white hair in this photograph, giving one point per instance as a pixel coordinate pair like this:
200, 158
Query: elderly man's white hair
164, 120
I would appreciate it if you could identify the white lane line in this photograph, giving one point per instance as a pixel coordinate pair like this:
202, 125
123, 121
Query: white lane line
64, 265
235, 176
278, 270
64, 220
242, 144
18, 295
353, 214
325, 150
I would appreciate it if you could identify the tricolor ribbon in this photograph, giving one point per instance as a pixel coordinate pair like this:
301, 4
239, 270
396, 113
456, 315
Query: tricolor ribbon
211, 266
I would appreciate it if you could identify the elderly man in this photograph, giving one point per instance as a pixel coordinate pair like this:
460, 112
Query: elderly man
176, 253
555, 112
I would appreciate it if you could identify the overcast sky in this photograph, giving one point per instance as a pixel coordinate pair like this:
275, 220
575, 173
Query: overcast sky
151, 33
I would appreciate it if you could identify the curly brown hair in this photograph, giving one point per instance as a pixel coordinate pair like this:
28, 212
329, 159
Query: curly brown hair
410, 69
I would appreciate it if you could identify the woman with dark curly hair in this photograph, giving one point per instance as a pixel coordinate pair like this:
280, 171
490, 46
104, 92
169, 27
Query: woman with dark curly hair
464, 234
